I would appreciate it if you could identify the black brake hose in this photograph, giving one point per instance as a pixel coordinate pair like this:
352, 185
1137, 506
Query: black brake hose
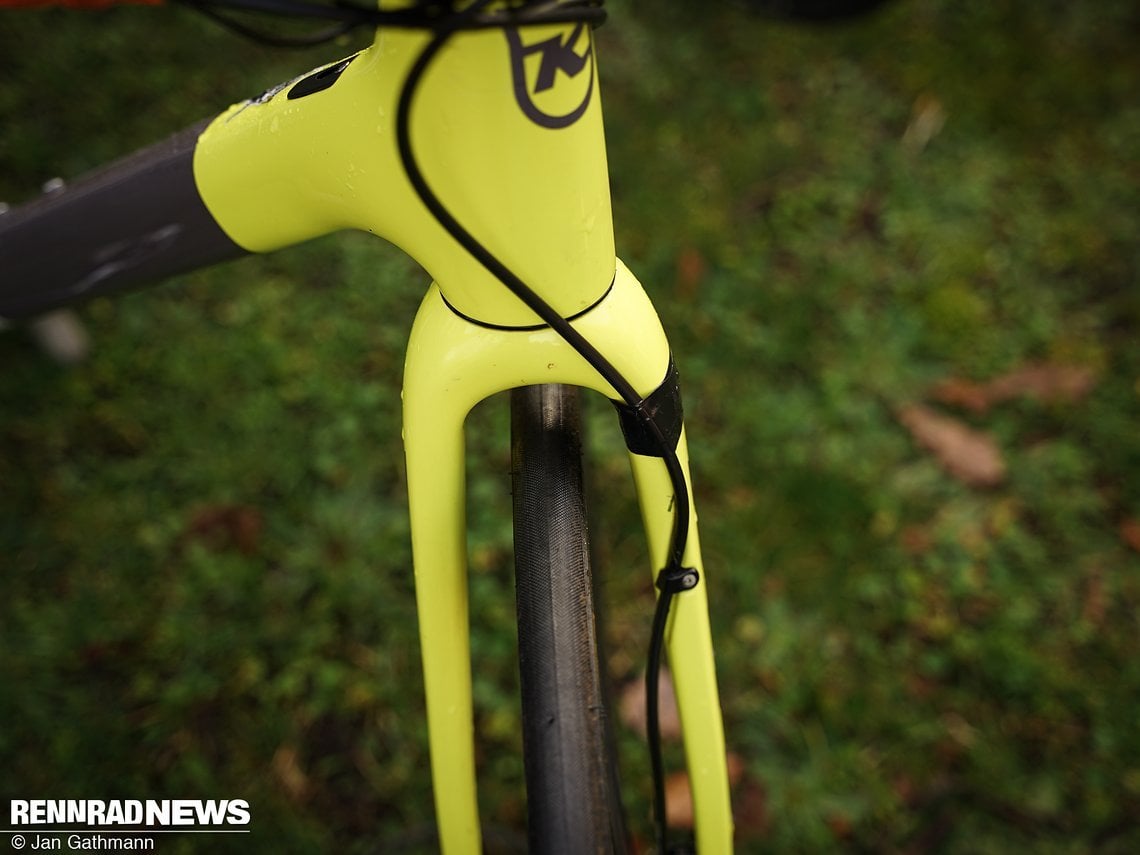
675, 576
520, 289
350, 15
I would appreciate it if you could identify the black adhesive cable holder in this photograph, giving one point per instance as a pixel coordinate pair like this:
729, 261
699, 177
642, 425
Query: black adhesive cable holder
658, 414
677, 580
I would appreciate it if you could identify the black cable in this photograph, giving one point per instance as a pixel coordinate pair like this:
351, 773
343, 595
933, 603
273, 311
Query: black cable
213, 12
652, 714
445, 22
670, 579
550, 316
428, 14
520, 289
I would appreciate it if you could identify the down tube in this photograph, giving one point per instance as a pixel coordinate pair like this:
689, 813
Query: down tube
134, 222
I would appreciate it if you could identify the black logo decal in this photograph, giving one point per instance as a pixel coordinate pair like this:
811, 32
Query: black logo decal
556, 56
127, 254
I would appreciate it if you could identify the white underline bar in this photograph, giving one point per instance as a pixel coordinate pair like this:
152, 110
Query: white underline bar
135, 831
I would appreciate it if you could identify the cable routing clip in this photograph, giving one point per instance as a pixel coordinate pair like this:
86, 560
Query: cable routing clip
677, 580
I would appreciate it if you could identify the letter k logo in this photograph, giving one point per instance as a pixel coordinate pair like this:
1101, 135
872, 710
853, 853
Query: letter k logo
555, 54
558, 54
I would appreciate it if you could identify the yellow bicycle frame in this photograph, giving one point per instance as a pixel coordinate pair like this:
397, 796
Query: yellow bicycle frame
507, 127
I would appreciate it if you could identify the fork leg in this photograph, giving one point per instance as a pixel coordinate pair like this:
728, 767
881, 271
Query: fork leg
688, 641
434, 448
453, 364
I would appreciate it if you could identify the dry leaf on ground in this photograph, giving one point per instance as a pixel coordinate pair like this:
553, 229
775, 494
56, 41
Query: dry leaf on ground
957, 392
752, 820
691, 271
969, 455
1096, 598
927, 118
631, 706
1050, 382
222, 527
679, 795
287, 770
678, 801
1130, 533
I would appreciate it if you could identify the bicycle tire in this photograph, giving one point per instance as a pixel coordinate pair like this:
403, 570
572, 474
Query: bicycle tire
573, 801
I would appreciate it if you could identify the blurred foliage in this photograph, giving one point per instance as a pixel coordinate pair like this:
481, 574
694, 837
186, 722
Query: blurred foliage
206, 580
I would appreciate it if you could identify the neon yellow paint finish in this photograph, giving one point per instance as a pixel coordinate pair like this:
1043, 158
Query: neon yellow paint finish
689, 644
452, 365
276, 171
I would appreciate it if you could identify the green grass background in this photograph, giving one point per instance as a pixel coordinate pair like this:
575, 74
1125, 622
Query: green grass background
205, 581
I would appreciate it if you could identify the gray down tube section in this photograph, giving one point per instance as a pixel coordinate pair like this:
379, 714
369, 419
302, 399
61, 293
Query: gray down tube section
133, 223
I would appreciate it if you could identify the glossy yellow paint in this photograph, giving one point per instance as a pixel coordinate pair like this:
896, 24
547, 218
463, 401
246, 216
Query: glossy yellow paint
452, 365
495, 143
689, 644
278, 170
